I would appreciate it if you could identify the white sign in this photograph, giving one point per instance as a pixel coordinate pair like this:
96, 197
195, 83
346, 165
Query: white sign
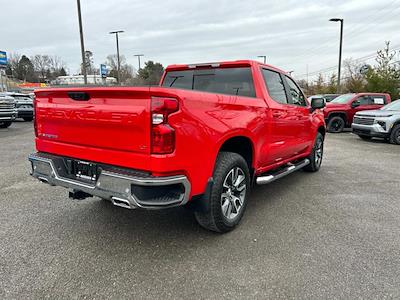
379, 101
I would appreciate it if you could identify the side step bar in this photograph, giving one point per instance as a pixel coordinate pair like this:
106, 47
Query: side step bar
268, 178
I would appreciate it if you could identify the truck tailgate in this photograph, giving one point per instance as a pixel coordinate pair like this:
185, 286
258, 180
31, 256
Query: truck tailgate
104, 118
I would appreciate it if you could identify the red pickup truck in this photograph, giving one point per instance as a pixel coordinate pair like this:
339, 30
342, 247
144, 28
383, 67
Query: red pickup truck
339, 113
200, 139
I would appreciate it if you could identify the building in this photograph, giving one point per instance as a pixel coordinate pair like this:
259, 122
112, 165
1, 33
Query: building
78, 79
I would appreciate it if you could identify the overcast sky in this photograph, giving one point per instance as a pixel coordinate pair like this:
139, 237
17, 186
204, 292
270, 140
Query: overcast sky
292, 34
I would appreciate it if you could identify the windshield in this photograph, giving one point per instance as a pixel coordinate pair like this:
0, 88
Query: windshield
395, 105
342, 99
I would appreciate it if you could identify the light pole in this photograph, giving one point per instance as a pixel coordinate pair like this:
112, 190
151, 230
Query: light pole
118, 62
138, 56
264, 57
78, 2
340, 49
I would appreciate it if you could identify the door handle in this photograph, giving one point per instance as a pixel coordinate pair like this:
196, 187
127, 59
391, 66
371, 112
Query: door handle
277, 114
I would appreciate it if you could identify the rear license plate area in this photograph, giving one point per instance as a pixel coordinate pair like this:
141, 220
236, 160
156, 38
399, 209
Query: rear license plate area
83, 170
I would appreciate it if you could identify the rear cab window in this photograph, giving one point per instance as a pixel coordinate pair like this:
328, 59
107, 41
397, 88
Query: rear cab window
230, 81
371, 100
378, 100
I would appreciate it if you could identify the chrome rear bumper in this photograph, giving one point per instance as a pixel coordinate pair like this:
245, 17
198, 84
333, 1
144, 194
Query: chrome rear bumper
125, 189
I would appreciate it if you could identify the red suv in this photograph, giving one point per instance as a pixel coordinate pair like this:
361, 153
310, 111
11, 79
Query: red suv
339, 112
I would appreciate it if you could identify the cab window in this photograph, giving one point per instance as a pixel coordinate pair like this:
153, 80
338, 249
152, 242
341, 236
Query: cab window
275, 86
371, 100
296, 95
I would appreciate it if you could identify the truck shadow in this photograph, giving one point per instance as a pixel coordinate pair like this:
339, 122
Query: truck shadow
105, 227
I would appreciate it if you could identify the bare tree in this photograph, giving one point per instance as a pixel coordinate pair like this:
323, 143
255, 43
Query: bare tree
41, 64
90, 68
354, 80
56, 63
126, 70
13, 61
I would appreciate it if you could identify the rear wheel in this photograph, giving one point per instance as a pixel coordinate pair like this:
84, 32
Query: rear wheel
5, 124
395, 135
316, 155
336, 124
228, 197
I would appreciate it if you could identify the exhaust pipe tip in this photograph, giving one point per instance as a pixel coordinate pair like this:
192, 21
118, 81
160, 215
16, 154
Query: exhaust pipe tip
124, 203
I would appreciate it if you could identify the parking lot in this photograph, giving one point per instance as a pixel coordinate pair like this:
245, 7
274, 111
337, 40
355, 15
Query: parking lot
331, 234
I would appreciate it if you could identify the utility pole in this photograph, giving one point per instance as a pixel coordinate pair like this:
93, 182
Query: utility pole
264, 57
340, 49
118, 61
138, 56
307, 78
1, 80
78, 2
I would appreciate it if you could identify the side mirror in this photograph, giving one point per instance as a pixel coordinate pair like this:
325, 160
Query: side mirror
317, 103
355, 104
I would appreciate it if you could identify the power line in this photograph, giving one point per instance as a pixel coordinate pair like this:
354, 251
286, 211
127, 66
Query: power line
352, 31
325, 70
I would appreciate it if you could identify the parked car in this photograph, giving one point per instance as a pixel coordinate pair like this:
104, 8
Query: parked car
340, 111
327, 97
7, 110
200, 139
383, 123
24, 105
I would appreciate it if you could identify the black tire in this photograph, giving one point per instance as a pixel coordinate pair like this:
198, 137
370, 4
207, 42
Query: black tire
365, 137
28, 119
336, 124
316, 155
395, 135
5, 124
215, 219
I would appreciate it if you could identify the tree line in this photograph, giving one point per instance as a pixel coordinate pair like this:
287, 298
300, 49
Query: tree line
45, 68
38, 68
383, 77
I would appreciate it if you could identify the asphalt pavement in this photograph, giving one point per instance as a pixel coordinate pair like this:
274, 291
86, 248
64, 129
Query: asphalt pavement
334, 234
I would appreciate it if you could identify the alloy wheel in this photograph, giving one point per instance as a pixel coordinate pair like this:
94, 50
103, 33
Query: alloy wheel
337, 125
233, 193
318, 153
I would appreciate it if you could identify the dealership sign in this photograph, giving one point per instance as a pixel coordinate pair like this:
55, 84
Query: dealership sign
103, 71
3, 59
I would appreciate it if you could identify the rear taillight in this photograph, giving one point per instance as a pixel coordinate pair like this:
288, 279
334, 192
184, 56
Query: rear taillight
162, 134
34, 116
